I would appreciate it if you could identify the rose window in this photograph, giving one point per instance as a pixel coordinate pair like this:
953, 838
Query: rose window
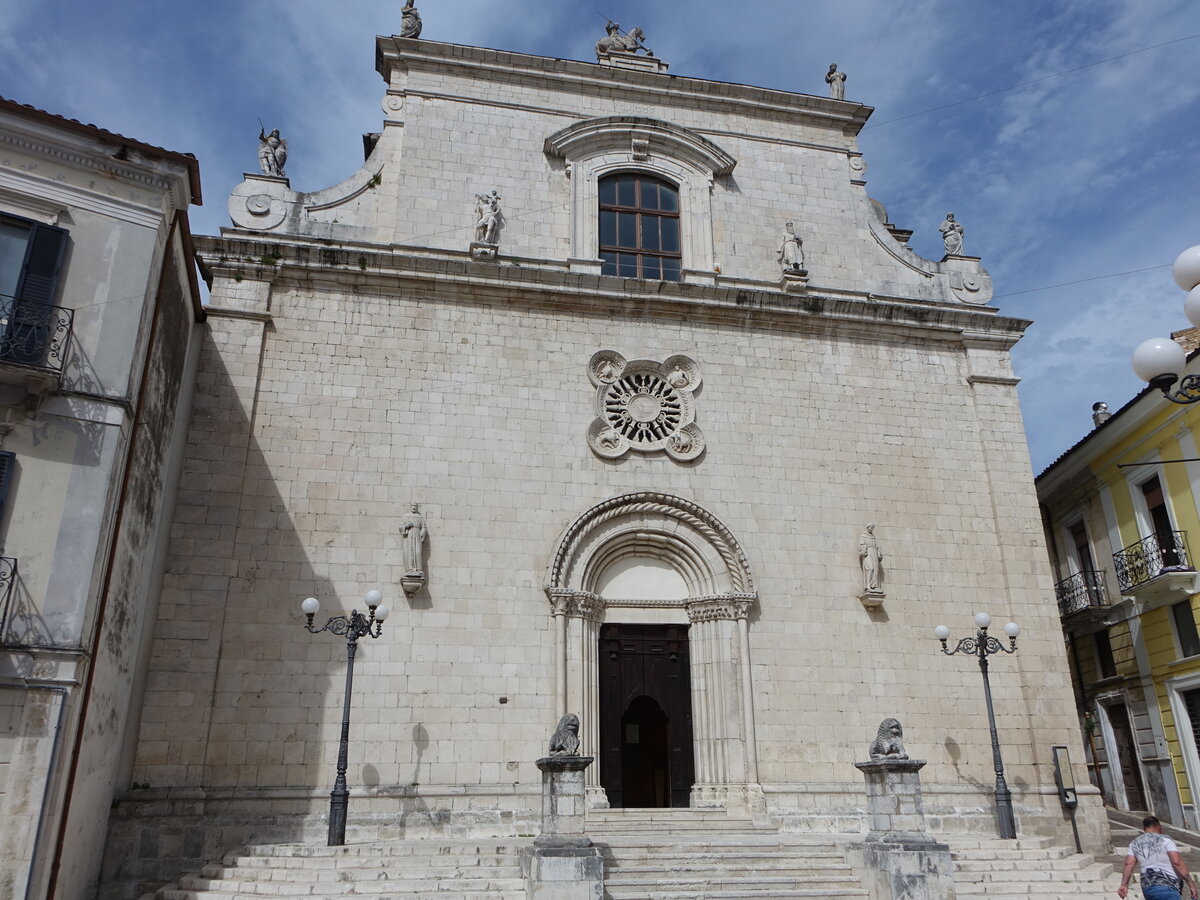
644, 405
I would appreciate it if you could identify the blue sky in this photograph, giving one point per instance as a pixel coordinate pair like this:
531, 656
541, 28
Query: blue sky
1087, 173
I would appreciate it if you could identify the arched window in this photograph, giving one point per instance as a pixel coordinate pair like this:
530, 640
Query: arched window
639, 227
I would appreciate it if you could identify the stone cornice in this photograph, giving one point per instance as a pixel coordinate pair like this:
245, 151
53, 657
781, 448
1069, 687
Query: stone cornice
80, 152
384, 271
588, 77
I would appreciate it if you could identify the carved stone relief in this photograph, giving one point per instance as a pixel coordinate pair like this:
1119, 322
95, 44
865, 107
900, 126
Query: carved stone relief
644, 405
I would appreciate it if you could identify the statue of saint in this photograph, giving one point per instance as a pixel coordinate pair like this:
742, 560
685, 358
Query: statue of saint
871, 558
412, 534
791, 251
836, 81
410, 22
952, 235
272, 152
487, 213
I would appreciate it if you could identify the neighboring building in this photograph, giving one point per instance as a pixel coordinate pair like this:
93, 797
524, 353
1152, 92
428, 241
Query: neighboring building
647, 431
1120, 514
98, 306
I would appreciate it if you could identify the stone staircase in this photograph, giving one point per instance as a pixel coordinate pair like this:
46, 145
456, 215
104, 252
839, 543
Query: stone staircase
648, 855
1025, 868
701, 855
407, 870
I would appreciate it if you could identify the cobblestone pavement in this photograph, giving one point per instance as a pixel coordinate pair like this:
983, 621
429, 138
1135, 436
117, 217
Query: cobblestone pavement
1128, 825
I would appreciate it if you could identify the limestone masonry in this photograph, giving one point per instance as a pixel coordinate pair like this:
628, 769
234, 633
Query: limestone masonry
645, 442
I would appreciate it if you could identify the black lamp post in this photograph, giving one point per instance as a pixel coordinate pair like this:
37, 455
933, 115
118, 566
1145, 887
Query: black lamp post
983, 645
353, 627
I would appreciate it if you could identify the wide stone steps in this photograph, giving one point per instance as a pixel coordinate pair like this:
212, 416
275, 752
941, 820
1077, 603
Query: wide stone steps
411, 870
1019, 870
686, 854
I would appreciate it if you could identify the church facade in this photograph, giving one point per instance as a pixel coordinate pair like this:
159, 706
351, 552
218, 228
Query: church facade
600, 376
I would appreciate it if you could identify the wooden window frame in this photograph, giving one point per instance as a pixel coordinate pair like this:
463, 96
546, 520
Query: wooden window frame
640, 211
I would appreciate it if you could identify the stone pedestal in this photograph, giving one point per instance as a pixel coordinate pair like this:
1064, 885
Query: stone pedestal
562, 864
625, 60
484, 252
872, 599
899, 860
794, 281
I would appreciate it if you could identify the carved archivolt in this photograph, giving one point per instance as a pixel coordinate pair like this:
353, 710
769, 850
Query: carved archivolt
702, 549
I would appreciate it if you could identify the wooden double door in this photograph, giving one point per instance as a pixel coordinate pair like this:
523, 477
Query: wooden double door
645, 716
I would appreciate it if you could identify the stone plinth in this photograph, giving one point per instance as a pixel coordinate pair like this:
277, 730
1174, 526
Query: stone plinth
562, 864
483, 251
624, 60
899, 860
894, 798
794, 281
872, 600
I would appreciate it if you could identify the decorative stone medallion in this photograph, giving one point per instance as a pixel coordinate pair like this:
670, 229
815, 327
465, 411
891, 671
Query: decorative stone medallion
644, 405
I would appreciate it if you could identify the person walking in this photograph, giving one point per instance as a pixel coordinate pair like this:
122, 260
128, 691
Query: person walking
1164, 873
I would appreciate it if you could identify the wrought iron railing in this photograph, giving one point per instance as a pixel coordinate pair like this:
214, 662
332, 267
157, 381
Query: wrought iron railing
33, 334
8, 579
1150, 557
1083, 590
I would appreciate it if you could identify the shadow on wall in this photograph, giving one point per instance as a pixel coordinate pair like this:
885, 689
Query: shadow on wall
235, 745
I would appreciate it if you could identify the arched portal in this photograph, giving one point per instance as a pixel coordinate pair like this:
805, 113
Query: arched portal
647, 560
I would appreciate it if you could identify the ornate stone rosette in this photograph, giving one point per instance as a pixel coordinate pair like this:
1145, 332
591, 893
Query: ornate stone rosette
644, 405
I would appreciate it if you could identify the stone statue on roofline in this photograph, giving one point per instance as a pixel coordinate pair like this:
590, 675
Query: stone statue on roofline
952, 235
410, 23
836, 81
272, 152
616, 42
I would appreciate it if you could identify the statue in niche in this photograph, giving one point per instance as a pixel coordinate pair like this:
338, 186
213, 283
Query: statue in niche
272, 152
871, 558
565, 740
487, 218
412, 534
887, 743
410, 22
952, 235
791, 251
615, 42
836, 81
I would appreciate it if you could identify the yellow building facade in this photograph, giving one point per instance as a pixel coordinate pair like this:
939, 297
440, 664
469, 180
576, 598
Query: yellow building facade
1120, 510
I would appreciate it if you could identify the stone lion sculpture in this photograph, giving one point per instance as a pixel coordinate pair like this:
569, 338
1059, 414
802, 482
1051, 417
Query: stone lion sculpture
887, 744
565, 740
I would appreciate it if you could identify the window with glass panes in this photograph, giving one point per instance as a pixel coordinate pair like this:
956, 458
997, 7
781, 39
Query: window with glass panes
639, 227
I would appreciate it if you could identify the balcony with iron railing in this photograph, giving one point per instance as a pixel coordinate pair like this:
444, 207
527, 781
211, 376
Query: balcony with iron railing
1150, 558
8, 578
34, 340
1081, 592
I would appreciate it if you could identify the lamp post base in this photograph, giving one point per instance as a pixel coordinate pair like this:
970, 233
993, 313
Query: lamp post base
339, 804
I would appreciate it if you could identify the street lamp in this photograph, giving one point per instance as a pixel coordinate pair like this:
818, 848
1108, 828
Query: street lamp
983, 645
1160, 361
353, 627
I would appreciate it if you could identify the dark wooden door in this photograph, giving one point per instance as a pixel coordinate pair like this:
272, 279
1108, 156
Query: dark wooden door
1118, 717
645, 715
